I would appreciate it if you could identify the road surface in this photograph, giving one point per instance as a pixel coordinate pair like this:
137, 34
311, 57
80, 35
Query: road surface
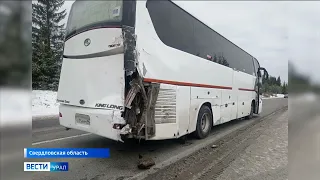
123, 161
255, 152
304, 137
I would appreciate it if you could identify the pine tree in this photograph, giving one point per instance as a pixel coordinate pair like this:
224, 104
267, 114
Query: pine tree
215, 58
285, 88
220, 60
225, 62
278, 81
47, 43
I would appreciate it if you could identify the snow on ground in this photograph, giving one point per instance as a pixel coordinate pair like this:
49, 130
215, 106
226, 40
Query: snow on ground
14, 107
273, 96
44, 103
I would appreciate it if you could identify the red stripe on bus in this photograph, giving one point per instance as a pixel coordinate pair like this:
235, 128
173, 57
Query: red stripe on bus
185, 83
244, 89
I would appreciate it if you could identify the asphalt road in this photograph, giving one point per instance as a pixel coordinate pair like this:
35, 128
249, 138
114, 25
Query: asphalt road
304, 138
123, 161
255, 152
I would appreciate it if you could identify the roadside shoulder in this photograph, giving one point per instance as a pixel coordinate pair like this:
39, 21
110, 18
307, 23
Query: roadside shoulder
266, 158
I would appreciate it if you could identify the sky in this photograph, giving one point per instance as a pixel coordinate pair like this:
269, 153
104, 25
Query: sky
272, 31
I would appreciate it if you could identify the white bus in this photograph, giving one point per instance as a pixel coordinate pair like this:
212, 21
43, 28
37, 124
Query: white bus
151, 70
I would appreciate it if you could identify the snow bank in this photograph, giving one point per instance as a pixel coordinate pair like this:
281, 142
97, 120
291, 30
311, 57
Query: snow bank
280, 95
273, 96
44, 103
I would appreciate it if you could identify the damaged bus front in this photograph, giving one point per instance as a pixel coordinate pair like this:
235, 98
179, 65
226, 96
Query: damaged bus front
100, 88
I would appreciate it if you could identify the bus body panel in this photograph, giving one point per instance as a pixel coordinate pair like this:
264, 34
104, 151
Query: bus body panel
180, 70
154, 56
200, 96
92, 78
197, 103
234, 97
166, 131
166, 108
97, 82
245, 95
92, 81
183, 109
226, 106
260, 106
101, 120
172, 112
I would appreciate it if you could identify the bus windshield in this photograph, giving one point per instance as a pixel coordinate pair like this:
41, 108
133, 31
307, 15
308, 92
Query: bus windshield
88, 14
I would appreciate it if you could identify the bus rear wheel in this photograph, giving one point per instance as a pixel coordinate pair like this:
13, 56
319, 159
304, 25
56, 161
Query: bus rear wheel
204, 122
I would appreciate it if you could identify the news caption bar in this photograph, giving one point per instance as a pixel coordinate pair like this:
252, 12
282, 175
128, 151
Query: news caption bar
66, 152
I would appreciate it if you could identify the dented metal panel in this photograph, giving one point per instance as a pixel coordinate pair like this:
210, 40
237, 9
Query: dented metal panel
165, 109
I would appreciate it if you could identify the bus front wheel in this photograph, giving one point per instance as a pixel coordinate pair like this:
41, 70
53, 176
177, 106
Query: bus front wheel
250, 116
204, 122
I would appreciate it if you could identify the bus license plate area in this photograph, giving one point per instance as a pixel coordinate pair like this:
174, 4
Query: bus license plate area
82, 119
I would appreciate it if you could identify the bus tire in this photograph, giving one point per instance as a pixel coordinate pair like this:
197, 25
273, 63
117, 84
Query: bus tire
204, 122
250, 116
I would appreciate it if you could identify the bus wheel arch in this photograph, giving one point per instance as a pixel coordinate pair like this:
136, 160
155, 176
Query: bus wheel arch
210, 107
253, 106
254, 103
204, 121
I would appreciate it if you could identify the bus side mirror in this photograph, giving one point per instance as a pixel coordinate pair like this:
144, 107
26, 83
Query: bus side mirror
259, 74
265, 72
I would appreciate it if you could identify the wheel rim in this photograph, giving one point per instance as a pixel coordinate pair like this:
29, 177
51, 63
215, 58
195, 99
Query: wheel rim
205, 122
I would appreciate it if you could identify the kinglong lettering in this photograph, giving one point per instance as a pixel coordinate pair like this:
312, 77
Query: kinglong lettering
110, 106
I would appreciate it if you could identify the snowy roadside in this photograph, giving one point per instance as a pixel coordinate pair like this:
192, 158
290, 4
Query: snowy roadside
44, 103
271, 97
274, 96
14, 107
